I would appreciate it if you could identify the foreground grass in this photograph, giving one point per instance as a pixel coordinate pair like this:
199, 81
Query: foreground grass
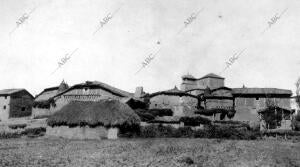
148, 152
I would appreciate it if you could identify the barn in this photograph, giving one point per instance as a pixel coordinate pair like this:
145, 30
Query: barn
92, 120
15, 103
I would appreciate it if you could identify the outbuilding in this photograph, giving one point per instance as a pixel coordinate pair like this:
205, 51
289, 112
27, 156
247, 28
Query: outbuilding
92, 120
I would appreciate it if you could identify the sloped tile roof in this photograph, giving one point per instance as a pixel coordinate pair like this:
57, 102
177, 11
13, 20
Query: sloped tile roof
98, 84
211, 75
9, 91
261, 91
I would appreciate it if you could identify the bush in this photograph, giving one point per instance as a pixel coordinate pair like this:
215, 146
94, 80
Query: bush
183, 132
233, 124
149, 131
7, 135
194, 121
148, 115
160, 112
33, 132
16, 126
187, 160
41, 116
227, 132
297, 117
144, 115
129, 131
296, 122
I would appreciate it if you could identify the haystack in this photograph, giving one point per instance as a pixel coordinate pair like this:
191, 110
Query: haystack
92, 119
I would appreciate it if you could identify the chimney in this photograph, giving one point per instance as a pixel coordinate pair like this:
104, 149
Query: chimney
138, 92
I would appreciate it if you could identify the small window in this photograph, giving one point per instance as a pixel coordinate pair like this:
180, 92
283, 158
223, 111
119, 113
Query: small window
257, 98
4, 107
23, 108
5, 97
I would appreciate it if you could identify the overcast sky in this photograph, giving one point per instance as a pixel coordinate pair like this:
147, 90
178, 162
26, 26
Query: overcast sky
30, 52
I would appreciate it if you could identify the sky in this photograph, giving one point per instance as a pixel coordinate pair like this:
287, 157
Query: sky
218, 30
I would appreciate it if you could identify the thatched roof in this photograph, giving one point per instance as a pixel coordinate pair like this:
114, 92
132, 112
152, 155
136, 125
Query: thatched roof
102, 113
101, 85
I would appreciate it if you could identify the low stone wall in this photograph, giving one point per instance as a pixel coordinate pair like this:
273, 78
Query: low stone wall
78, 132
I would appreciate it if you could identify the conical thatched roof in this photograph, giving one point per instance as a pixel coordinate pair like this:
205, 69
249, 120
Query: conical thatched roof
108, 113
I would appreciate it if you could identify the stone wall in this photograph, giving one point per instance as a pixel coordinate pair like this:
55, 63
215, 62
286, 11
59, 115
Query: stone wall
78, 132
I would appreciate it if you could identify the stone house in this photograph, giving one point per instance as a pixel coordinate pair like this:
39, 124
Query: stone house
15, 103
180, 102
88, 91
250, 100
42, 101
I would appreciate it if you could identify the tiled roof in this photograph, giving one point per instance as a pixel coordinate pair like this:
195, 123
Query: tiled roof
172, 92
211, 75
188, 76
47, 94
261, 91
100, 85
9, 91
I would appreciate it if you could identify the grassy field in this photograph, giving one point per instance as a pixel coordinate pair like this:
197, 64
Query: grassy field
148, 152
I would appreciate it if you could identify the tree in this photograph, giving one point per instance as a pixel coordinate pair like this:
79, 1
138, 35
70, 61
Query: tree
272, 114
298, 92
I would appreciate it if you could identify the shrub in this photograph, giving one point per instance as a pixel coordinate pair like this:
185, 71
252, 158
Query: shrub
160, 112
31, 132
194, 121
144, 115
149, 131
41, 116
7, 135
16, 126
129, 131
45, 104
233, 124
297, 117
183, 132
187, 160
200, 133
227, 132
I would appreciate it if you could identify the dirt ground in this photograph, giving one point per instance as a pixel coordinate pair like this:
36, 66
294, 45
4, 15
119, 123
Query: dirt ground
148, 152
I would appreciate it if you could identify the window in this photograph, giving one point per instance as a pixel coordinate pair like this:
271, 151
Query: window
23, 108
5, 97
4, 107
257, 98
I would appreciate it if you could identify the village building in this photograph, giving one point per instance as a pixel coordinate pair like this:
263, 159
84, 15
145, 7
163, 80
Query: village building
248, 101
294, 105
102, 119
15, 103
87, 91
180, 102
211, 93
42, 101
